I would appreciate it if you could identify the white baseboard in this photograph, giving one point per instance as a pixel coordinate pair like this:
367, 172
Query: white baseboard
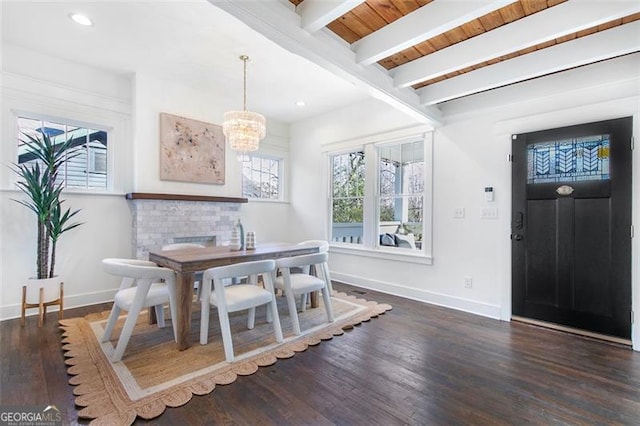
70, 302
460, 304
466, 305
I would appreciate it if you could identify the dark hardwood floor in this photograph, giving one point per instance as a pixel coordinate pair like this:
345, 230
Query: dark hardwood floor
417, 364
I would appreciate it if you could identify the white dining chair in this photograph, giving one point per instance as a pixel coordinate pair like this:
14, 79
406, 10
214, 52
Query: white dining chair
229, 298
323, 247
144, 284
303, 283
179, 246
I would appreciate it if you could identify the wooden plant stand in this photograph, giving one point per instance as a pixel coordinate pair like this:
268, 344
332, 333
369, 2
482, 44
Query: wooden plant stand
42, 305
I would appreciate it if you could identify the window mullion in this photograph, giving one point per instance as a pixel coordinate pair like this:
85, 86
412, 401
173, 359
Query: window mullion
371, 210
89, 166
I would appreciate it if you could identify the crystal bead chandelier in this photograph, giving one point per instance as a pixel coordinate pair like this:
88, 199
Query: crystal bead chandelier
244, 129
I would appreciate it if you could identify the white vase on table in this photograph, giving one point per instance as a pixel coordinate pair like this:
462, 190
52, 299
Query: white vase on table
234, 242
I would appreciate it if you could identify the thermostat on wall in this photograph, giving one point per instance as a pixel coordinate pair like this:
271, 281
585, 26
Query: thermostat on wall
488, 193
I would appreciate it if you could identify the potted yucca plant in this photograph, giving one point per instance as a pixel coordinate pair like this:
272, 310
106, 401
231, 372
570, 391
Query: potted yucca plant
39, 181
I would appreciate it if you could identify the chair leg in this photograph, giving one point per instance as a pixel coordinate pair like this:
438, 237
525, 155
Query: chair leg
173, 310
160, 315
273, 308
125, 335
111, 323
293, 312
327, 291
269, 316
130, 322
327, 277
303, 302
251, 318
204, 321
198, 291
225, 328
327, 303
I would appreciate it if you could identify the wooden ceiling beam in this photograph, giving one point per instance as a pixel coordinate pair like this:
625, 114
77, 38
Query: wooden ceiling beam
423, 24
585, 50
317, 14
549, 24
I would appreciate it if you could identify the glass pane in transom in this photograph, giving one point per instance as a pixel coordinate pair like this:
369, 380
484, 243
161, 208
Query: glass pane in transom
569, 160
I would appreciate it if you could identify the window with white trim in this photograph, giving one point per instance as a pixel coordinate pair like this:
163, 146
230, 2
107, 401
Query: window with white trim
401, 194
262, 178
87, 165
347, 196
380, 196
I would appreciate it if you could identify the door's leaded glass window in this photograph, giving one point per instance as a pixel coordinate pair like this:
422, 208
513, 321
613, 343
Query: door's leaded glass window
261, 178
87, 166
569, 160
347, 197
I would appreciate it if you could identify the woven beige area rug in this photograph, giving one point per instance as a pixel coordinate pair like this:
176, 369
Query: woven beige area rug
154, 375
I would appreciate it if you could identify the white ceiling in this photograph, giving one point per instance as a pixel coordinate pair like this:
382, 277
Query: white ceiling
295, 57
192, 41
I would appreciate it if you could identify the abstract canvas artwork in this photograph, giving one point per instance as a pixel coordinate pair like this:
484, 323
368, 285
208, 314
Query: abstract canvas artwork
191, 150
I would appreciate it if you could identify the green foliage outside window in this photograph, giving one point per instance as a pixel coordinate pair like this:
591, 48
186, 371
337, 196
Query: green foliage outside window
348, 187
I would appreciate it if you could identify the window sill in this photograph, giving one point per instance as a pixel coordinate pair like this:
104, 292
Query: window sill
394, 254
73, 192
267, 200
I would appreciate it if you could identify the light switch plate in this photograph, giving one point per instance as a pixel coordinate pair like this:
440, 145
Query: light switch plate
489, 213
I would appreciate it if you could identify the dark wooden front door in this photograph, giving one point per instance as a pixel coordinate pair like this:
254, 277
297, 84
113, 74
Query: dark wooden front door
571, 226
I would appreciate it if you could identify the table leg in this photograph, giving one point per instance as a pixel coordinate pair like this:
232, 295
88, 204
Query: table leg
184, 296
314, 294
153, 319
314, 299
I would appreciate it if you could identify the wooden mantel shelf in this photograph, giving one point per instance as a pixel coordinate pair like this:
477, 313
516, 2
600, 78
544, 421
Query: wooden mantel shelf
183, 197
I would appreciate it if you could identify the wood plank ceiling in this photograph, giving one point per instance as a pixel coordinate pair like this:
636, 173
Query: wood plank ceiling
373, 15
417, 54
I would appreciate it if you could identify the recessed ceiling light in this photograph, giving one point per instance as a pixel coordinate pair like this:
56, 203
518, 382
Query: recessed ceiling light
81, 19
300, 103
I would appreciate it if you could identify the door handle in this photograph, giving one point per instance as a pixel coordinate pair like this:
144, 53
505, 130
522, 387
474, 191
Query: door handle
517, 237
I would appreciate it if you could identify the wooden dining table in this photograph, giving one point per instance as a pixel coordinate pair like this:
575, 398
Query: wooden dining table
187, 262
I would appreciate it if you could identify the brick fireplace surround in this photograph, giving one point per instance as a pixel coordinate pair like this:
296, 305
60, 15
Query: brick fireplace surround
160, 219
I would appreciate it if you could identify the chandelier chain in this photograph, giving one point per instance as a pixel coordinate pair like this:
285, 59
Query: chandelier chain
244, 59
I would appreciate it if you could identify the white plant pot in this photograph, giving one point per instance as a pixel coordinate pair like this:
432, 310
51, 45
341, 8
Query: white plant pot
41, 293
50, 286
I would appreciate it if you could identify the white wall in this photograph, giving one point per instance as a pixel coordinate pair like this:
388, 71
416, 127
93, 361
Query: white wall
470, 152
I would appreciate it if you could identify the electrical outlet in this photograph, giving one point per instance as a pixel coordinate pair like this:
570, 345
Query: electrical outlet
458, 213
468, 282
